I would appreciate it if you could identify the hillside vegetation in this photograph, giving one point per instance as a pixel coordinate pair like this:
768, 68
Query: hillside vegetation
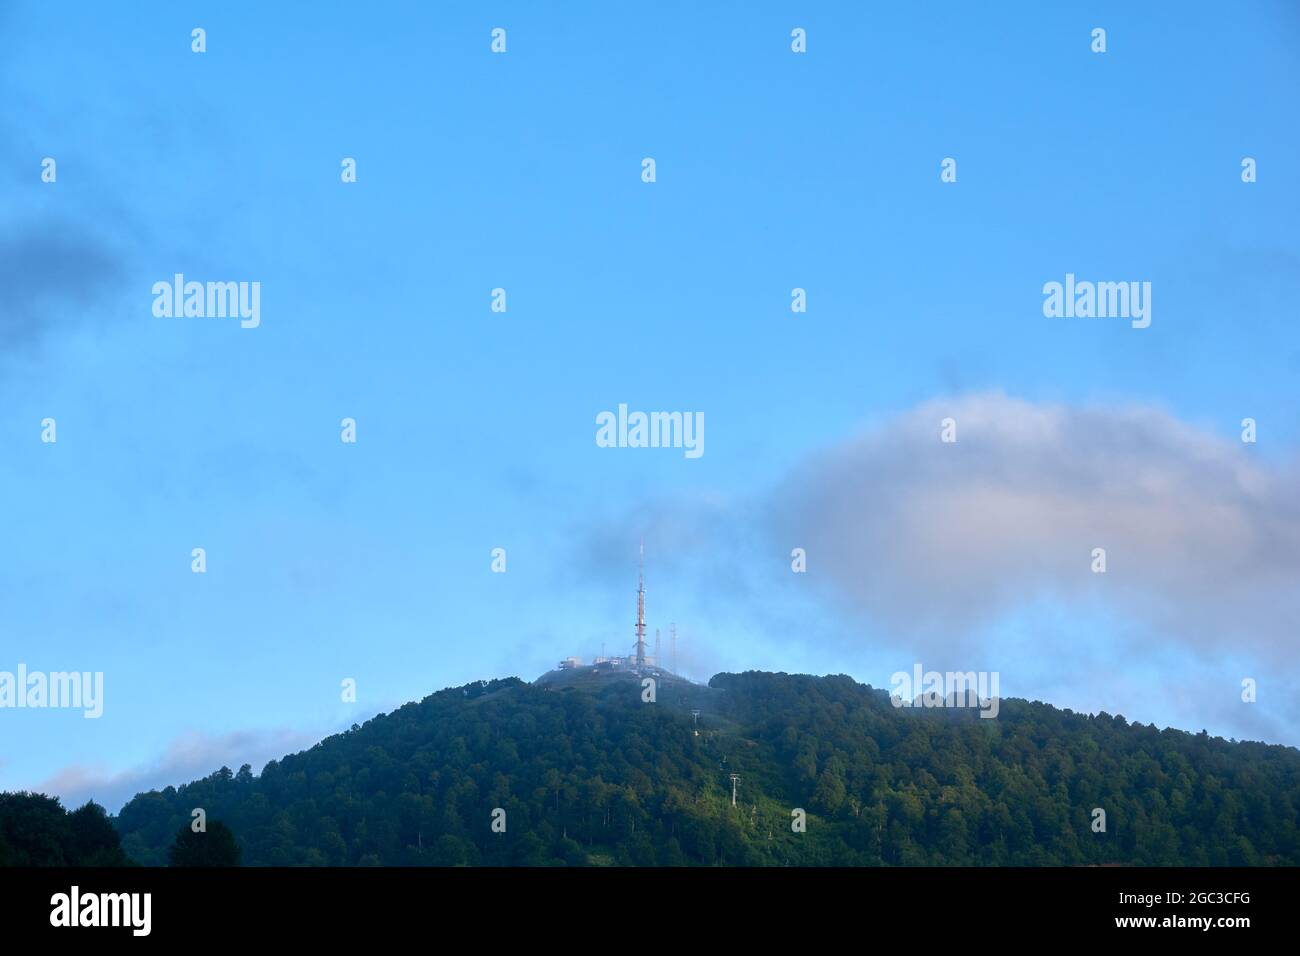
595, 776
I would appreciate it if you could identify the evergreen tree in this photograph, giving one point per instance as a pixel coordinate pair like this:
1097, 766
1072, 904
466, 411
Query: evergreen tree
214, 847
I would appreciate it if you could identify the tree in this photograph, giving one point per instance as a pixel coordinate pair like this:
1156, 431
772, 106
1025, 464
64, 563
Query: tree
35, 829
216, 847
94, 839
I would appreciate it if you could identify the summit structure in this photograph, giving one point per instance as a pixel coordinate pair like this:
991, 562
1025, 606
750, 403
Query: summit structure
640, 659
639, 663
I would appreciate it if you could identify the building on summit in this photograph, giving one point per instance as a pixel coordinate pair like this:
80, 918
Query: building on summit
639, 661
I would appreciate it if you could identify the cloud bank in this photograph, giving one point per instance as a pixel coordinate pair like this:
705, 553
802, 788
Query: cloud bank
189, 757
978, 554
936, 540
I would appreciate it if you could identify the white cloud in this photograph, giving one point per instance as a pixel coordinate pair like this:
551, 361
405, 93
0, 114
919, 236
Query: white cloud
978, 554
936, 540
188, 757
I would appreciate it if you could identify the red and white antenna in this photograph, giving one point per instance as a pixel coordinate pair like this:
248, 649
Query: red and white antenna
640, 610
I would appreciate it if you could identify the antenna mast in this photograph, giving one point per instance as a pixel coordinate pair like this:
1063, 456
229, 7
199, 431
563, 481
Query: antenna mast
640, 610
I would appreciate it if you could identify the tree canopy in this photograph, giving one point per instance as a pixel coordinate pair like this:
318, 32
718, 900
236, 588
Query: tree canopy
35, 830
597, 776
213, 846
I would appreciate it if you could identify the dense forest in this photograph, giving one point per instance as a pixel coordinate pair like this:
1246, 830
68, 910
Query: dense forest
35, 830
594, 776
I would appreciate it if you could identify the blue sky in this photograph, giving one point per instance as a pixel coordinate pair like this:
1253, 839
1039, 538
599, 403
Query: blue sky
475, 429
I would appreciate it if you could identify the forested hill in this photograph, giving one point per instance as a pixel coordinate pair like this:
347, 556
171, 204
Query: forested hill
595, 776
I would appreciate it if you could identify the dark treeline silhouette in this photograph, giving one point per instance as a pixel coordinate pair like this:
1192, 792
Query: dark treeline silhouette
596, 776
35, 830
213, 846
